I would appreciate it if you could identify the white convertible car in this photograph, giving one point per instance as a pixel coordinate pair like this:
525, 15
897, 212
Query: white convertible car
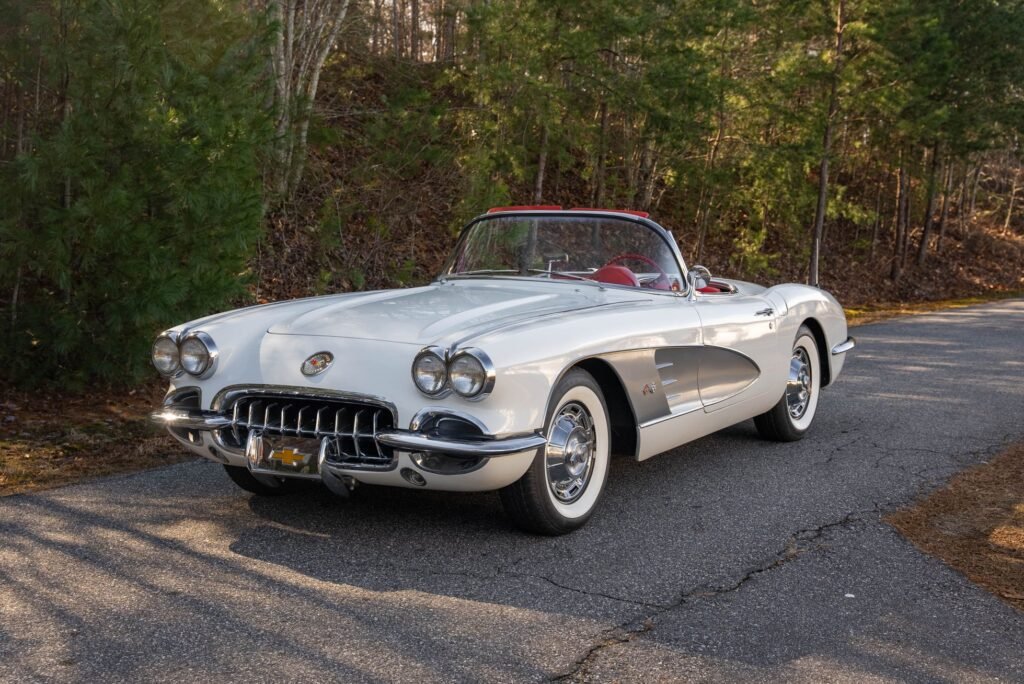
552, 340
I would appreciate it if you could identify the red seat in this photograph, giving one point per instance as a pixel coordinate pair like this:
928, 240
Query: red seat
614, 274
710, 289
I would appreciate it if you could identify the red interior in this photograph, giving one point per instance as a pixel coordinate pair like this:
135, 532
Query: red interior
710, 289
614, 274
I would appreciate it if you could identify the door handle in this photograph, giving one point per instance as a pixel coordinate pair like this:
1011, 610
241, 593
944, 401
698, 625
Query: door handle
765, 312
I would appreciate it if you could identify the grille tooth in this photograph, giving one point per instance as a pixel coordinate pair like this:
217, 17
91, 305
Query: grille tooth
352, 426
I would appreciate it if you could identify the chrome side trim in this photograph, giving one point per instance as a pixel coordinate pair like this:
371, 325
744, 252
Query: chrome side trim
411, 441
844, 347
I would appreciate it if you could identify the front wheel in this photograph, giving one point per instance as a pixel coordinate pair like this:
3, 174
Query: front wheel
559, 492
790, 419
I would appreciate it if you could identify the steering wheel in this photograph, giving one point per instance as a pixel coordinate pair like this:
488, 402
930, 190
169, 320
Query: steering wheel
659, 283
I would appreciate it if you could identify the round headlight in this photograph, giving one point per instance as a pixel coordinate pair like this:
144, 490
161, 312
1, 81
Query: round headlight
198, 354
429, 372
471, 374
165, 355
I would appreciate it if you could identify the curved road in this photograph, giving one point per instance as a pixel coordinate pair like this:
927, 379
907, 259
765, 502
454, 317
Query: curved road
728, 558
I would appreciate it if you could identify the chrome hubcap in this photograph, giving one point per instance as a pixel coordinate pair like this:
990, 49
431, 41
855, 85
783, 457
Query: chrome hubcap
798, 388
569, 455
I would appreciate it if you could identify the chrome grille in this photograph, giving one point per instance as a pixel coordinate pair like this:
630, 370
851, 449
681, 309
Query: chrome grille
351, 426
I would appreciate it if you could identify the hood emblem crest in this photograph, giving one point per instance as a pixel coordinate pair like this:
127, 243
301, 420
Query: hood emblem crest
317, 363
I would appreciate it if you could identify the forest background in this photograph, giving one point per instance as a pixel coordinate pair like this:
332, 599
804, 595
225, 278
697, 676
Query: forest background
162, 160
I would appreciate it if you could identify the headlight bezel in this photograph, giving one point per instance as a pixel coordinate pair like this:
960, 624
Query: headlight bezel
177, 370
486, 368
437, 352
212, 354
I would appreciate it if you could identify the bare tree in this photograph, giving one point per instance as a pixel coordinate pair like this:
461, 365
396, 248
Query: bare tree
306, 32
826, 145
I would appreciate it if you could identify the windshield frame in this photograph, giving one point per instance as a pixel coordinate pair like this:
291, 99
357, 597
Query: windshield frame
665, 235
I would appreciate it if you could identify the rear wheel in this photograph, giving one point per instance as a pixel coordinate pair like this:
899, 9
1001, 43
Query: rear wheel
790, 419
560, 491
263, 485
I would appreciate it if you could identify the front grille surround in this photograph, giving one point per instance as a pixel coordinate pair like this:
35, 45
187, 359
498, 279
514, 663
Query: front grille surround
350, 422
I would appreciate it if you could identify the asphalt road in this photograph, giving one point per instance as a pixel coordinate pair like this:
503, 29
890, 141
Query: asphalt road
730, 558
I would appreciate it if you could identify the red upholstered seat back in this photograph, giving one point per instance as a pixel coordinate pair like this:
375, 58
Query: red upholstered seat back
615, 275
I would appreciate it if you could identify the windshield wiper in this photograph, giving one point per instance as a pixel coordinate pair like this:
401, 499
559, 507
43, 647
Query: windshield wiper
558, 273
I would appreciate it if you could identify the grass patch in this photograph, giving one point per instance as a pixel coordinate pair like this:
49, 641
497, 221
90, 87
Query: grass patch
976, 525
48, 440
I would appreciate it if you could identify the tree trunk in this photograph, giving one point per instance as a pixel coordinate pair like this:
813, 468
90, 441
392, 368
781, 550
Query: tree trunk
1013, 196
707, 193
299, 157
378, 9
901, 227
396, 31
826, 149
598, 195
929, 208
649, 167
542, 162
947, 188
414, 31
974, 193
878, 222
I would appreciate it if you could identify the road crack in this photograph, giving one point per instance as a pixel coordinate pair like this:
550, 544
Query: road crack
800, 542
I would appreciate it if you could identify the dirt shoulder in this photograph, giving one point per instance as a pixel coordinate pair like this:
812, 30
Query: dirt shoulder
48, 440
976, 525
880, 311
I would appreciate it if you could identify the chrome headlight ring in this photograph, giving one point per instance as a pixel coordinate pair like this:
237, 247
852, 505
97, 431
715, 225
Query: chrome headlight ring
170, 372
484, 370
439, 357
212, 354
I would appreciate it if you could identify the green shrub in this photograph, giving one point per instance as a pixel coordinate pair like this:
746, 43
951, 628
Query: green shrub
136, 197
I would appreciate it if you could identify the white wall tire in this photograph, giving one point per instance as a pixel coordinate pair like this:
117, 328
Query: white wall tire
791, 418
563, 485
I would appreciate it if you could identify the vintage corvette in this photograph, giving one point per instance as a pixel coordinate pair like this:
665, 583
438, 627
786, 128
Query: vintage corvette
552, 340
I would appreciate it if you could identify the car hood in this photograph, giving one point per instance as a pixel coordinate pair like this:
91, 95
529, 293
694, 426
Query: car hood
442, 312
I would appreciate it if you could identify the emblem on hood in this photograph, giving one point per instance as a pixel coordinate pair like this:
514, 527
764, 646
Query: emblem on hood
317, 363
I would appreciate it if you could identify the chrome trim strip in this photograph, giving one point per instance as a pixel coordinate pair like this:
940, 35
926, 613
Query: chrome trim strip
411, 441
670, 416
299, 392
190, 419
844, 347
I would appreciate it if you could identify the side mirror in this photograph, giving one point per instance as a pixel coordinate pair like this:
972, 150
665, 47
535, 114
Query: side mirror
697, 274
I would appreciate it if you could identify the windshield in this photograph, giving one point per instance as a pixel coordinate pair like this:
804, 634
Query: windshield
601, 249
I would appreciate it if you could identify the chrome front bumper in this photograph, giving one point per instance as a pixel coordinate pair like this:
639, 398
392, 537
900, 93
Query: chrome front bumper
403, 440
